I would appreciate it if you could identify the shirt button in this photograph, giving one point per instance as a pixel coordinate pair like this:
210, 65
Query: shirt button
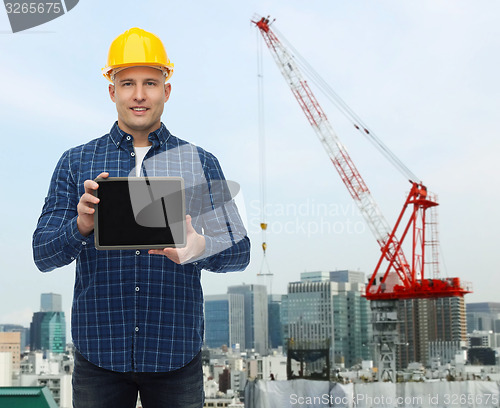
137, 288
128, 138
136, 329
84, 243
195, 263
132, 154
137, 252
72, 258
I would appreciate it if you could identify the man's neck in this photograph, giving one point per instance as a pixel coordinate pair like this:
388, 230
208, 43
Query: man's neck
141, 140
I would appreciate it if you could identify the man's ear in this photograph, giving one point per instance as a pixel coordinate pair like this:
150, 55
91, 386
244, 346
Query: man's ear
111, 90
168, 89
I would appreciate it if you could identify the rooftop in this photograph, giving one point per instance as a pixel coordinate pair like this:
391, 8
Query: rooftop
29, 397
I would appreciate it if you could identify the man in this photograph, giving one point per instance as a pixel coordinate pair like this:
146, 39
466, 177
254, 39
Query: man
137, 316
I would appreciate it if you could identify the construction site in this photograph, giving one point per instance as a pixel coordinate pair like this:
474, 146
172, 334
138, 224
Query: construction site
413, 308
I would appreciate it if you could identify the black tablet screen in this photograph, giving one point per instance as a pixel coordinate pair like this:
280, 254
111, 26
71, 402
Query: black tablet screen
140, 212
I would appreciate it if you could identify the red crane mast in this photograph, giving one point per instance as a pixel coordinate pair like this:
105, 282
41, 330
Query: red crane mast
394, 277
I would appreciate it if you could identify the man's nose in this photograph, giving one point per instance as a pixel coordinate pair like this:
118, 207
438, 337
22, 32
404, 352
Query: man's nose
139, 94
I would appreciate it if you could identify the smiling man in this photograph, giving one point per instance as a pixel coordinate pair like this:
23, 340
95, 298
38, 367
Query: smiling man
140, 94
137, 316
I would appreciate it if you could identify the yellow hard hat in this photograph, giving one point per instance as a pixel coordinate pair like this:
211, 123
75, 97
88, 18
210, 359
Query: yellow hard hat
136, 47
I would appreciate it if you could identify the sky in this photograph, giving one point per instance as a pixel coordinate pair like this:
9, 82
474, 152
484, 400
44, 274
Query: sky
422, 75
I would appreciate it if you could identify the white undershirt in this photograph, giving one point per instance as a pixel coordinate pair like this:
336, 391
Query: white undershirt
140, 153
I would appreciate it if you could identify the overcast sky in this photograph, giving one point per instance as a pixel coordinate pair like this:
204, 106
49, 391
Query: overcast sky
423, 75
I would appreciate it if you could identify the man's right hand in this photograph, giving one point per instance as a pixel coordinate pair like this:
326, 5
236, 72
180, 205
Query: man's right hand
85, 208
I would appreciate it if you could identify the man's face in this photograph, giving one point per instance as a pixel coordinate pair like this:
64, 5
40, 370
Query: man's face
140, 94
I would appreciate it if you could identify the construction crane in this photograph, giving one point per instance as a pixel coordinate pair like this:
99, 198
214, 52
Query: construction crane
395, 276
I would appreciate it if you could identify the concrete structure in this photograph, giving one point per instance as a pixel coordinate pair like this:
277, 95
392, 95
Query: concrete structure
445, 352
24, 331
11, 342
275, 367
422, 321
5, 369
224, 320
256, 316
319, 309
482, 338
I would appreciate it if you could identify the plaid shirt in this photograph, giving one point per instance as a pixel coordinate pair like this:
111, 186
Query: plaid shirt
133, 311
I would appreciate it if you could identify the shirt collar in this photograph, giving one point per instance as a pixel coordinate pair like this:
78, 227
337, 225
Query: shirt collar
158, 137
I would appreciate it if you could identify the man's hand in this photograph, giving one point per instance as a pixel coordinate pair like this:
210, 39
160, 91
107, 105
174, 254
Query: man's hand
195, 246
85, 208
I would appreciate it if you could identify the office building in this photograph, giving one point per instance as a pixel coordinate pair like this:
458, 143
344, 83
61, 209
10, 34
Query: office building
483, 316
256, 316
48, 328
224, 320
321, 309
275, 326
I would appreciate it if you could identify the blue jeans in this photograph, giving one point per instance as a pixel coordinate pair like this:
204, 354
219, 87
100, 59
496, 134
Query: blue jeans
100, 388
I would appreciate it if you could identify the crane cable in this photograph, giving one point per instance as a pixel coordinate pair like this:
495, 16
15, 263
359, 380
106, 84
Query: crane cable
346, 110
264, 266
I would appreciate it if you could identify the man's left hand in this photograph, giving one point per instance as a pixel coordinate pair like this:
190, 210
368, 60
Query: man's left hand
195, 246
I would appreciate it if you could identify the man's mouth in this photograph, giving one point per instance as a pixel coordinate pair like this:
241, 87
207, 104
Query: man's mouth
139, 109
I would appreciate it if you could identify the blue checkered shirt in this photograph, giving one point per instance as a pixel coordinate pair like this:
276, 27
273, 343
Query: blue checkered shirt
133, 311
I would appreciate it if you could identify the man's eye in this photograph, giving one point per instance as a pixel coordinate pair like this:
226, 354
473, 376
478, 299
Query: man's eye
151, 83
126, 83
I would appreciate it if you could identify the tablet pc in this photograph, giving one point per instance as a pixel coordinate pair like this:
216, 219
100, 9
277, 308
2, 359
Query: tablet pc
140, 213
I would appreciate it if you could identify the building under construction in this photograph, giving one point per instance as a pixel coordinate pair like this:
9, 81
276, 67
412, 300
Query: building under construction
423, 321
411, 304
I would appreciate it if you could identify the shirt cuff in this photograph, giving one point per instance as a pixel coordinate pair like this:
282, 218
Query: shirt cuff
76, 241
203, 260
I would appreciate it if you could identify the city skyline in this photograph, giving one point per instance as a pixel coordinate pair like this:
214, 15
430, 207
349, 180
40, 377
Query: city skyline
430, 93
211, 296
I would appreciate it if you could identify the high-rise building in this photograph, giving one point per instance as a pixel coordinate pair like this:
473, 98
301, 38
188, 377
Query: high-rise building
422, 321
48, 328
224, 320
483, 316
256, 316
322, 309
274, 321
50, 302
284, 320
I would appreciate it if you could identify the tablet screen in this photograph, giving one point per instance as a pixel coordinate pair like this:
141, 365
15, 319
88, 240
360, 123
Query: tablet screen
140, 213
